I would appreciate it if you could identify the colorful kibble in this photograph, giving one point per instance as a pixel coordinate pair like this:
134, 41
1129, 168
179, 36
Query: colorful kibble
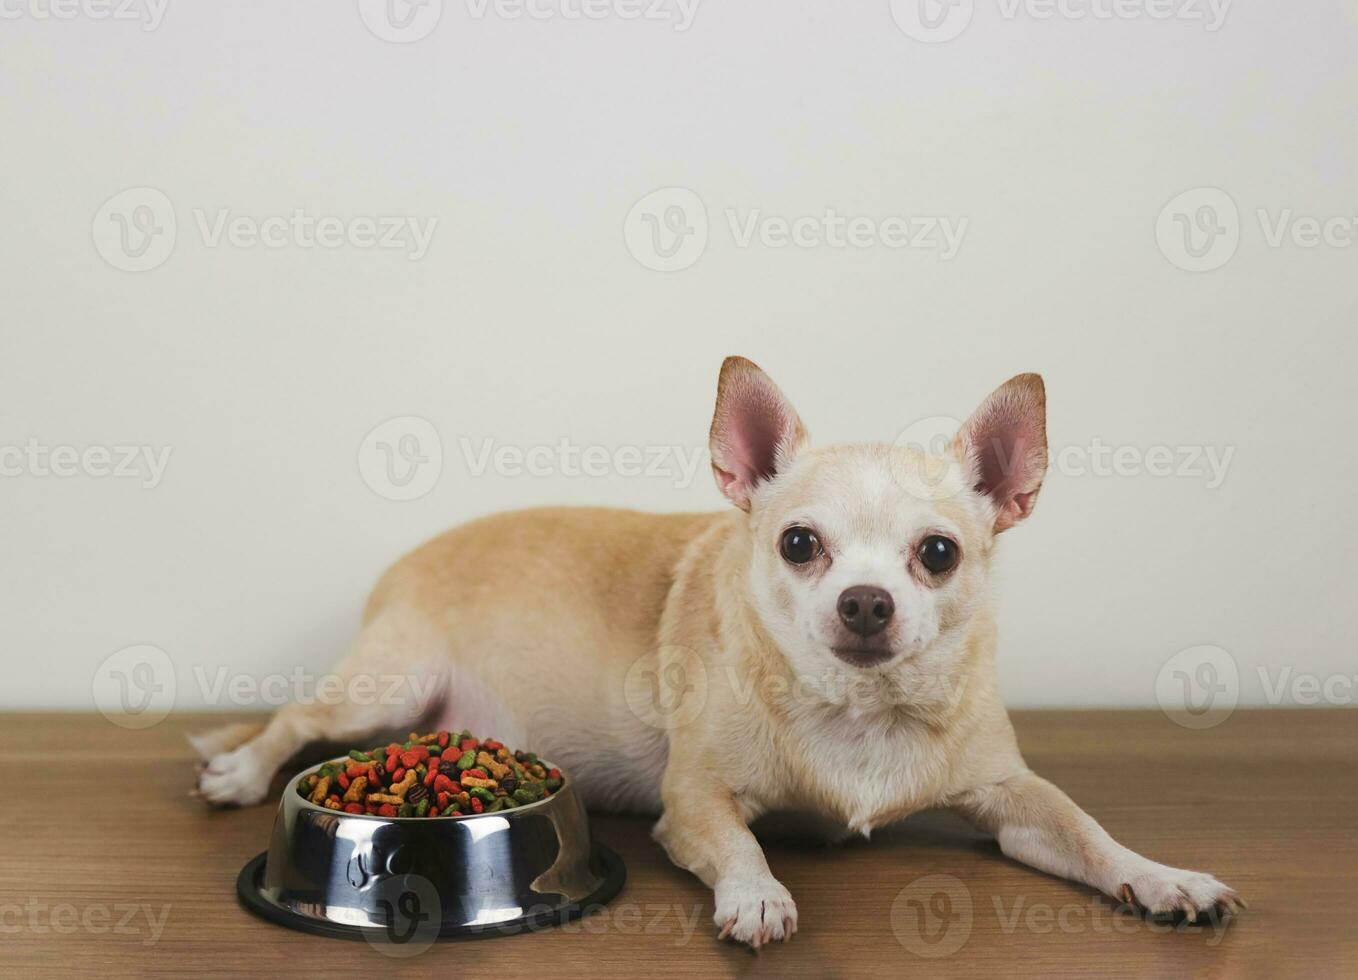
442, 774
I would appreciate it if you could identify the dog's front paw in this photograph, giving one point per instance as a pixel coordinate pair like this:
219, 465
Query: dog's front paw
754, 911
234, 779
1162, 890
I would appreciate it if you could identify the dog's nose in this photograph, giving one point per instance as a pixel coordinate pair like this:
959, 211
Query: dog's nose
866, 609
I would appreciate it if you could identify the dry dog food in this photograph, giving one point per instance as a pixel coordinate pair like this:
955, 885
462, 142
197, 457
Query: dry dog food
438, 775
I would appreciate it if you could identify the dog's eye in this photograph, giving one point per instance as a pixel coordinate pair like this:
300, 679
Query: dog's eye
938, 554
799, 545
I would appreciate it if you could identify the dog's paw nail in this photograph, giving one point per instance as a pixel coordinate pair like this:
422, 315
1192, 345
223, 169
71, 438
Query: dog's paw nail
1163, 891
755, 912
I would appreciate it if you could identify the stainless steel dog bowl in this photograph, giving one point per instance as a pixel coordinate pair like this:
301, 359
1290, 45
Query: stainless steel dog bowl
384, 878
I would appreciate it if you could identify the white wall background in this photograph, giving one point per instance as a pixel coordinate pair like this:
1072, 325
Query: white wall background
1059, 140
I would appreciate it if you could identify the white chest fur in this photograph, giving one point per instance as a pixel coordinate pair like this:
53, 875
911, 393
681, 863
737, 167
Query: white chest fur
865, 769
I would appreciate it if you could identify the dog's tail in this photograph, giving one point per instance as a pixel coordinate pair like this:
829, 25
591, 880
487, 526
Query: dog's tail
218, 740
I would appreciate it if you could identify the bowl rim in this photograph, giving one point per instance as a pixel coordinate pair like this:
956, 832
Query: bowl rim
295, 780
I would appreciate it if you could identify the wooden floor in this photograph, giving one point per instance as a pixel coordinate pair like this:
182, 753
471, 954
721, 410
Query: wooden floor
109, 867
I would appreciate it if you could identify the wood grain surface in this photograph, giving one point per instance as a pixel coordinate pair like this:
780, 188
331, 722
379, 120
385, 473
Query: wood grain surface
110, 868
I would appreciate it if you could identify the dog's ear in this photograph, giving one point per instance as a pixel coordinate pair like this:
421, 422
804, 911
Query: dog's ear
1004, 447
755, 430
